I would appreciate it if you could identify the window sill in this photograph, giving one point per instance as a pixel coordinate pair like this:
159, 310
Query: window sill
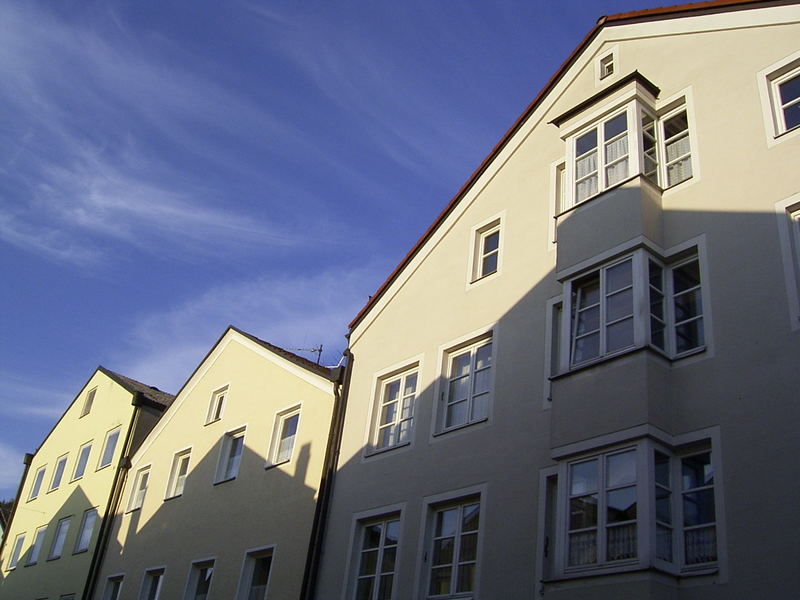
226, 480
102, 467
269, 466
630, 569
460, 427
80, 552
168, 498
133, 510
211, 422
379, 451
626, 352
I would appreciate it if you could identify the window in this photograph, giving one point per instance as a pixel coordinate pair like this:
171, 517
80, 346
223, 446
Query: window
139, 488
37, 483
486, 260
633, 139
36, 549
453, 551
787, 212
87, 403
58, 473
785, 97
284, 436
606, 526
216, 405
200, 580
606, 66
395, 410
177, 475
230, 455
151, 586
376, 559
112, 437
83, 460
61, 536
469, 384
16, 551
87, 527
255, 575
113, 588
603, 320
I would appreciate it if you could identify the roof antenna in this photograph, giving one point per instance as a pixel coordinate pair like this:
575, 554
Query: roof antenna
317, 351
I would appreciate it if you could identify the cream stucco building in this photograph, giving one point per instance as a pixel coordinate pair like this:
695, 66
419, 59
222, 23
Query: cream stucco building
221, 499
70, 486
582, 382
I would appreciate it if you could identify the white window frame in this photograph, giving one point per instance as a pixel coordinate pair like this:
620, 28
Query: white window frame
226, 447
87, 448
677, 450
139, 493
216, 406
16, 551
36, 546
432, 507
380, 388
359, 551
147, 581
277, 432
641, 291
195, 570
58, 472
478, 234
102, 460
248, 569
109, 593
88, 402
88, 523
177, 482
469, 344
36, 486
635, 104
787, 212
60, 538
768, 80
609, 56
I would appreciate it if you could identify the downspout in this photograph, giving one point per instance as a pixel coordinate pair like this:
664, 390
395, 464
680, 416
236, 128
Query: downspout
26, 460
113, 502
307, 591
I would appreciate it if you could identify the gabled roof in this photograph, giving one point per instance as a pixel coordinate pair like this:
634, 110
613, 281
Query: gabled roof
151, 393
651, 14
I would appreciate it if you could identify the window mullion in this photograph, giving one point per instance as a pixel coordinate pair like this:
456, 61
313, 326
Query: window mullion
602, 317
635, 147
641, 308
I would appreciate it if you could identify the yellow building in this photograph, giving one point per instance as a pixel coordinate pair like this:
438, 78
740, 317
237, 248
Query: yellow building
221, 499
70, 486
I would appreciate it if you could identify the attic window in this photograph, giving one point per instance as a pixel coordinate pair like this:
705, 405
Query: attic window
606, 66
87, 404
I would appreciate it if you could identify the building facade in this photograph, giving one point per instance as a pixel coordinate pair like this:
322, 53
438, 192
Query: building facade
221, 499
70, 486
582, 382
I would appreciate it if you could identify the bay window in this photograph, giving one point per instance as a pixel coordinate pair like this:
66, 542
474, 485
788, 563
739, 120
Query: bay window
605, 314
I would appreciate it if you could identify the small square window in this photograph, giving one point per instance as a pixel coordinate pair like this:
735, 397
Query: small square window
58, 473
255, 575
284, 436
486, 251
37, 483
200, 580
60, 538
83, 460
230, 455
110, 445
784, 96
139, 488
113, 588
88, 402
87, 527
178, 474
606, 66
36, 548
469, 385
16, 551
217, 405
151, 585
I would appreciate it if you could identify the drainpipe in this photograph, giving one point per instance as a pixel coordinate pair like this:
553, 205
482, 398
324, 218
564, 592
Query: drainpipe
26, 460
113, 502
307, 591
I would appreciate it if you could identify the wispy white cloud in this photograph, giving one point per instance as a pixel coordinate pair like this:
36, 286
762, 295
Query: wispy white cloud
10, 470
300, 311
19, 398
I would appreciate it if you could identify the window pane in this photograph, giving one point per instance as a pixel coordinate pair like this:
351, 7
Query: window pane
586, 348
459, 389
411, 384
689, 335
663, 505
471, 517
480, 407
385, 587
687, 305
440, 581
446, 522
619, 276
621, 542
582, 548
619, 305
466, 578
456, 414
389, 413
621, 505
491, 242
700, 545
372, 536
698, 507
392, 532
443, 551
696, 471
482, 381
469, 547
686, 276
489, 264
675, 125
369, 562
460, 365
617, 172
483, 356
583, 512
619, 335
621, 468
392, 391
615, 126
586, 142
588, 320
290, 426
790, 90
584, 477
387, 562
364, 589
664, 543
662, 468
586, 188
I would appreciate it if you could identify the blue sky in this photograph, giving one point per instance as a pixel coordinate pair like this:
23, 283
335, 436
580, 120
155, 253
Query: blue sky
169, 168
